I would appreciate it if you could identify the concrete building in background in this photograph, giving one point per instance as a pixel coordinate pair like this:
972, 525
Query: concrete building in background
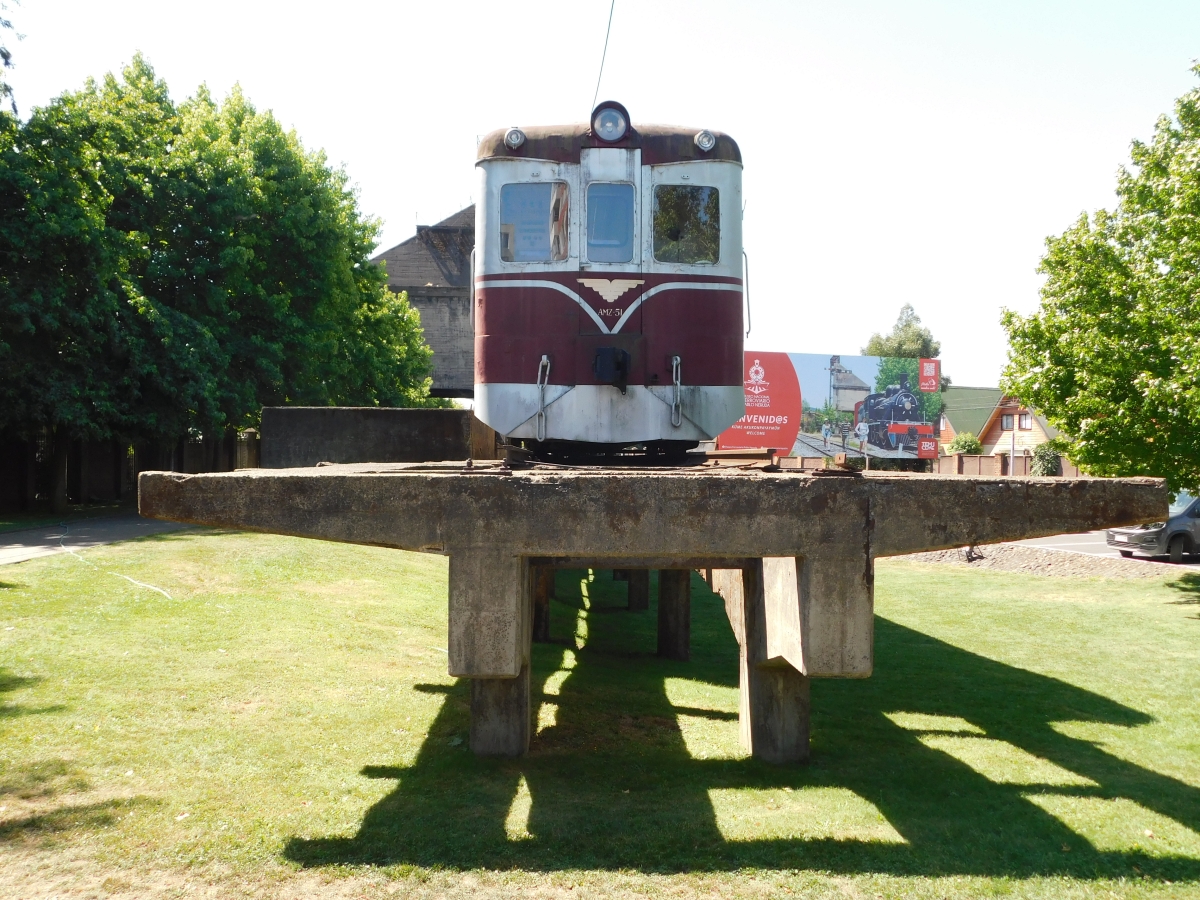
434, 267
845, 388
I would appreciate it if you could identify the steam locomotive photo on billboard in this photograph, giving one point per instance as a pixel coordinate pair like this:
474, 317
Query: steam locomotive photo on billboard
894, 417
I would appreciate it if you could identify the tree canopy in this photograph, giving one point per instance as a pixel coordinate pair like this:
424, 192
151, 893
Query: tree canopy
6, 91
908, 342
167, 267
1112, 357
908, 338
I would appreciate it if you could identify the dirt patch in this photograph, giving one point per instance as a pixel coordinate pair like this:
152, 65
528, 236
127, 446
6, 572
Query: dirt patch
1045, 561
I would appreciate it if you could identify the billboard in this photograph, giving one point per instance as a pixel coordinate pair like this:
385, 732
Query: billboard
808, 404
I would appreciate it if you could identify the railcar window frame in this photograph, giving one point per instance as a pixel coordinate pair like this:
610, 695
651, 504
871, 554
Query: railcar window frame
631, 239
712, 217
558, 227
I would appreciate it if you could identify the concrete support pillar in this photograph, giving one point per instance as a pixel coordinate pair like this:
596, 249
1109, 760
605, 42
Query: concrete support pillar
543, 590
491, 621
774, 707
500, 715
795, 618
675, 614
639, 590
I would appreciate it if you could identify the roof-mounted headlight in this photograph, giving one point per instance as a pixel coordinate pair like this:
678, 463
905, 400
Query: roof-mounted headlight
514, 138
705, 140
610, 121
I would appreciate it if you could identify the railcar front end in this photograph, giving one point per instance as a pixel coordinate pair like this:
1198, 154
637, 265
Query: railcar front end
608, 285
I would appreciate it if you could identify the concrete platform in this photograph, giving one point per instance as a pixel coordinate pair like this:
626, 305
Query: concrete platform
791, 554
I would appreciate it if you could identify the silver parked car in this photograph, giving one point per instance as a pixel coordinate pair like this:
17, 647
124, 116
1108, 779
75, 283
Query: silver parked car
1178, 535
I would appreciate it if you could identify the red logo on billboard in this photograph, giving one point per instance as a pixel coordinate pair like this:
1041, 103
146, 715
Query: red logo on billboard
930, 379
927, 448
772, 416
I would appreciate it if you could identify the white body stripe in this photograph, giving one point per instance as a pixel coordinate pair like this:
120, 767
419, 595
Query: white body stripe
672, 286
562, 289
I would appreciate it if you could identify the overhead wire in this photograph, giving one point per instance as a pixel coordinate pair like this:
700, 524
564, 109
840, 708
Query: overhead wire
603, 56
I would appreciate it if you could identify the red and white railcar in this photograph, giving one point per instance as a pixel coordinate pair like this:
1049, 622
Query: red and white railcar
608, 285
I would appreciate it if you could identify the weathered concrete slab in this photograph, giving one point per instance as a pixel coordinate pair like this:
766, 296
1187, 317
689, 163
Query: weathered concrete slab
309, 435
792, 554
645, 514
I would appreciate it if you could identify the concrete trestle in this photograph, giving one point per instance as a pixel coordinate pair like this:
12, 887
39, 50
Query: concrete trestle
792, 555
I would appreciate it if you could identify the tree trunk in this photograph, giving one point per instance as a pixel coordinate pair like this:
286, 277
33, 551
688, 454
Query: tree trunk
58, 478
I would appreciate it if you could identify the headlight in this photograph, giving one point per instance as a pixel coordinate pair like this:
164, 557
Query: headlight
514, 138
705, 140
610, 124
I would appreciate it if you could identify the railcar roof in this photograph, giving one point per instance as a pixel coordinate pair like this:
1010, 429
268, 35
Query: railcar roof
561, 143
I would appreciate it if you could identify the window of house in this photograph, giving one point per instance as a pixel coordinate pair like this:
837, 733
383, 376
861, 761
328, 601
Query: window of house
609, 222
1006, 422
534, 221
1025, 421
687, 224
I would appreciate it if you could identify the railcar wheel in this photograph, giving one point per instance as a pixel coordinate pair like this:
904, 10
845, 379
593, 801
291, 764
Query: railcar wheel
1175, 549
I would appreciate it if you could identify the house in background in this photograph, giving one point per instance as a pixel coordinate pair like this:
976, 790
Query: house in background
434, 267
1002, 424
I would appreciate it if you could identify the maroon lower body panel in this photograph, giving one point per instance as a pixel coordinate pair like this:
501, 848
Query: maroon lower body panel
517, 325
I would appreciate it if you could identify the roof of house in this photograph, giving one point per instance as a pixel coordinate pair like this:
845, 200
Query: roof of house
970, 408
436, 256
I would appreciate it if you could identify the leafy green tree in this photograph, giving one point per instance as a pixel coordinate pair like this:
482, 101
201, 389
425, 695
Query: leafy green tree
965, 442
908, 338
6, 91
1112, 357
164, 269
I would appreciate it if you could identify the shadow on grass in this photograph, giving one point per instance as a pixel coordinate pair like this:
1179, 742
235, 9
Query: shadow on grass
9, 683
1188, 587
611, 783
85, 816
42, 779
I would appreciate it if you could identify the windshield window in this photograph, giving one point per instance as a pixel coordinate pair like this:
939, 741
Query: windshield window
534, 222
610, 222
687, 224
1181, 502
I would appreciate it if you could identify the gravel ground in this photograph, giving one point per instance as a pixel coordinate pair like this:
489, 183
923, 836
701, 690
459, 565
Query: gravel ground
1042, 561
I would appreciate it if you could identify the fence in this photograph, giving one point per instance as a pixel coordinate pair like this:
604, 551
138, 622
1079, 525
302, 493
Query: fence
1000, 464
106, 471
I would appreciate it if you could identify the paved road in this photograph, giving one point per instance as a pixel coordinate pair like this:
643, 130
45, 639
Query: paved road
1089, 542
18, 546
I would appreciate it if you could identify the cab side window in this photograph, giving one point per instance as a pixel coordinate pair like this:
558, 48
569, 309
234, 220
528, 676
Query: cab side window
534, 221
610, 222
687, 224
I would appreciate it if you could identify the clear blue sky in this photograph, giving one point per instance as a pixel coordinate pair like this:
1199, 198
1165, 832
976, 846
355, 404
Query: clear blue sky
895, 151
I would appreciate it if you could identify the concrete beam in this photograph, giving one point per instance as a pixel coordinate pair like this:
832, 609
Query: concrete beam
682, 514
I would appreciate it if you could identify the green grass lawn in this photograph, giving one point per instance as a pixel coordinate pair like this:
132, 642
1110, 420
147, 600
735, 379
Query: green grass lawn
271, 716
